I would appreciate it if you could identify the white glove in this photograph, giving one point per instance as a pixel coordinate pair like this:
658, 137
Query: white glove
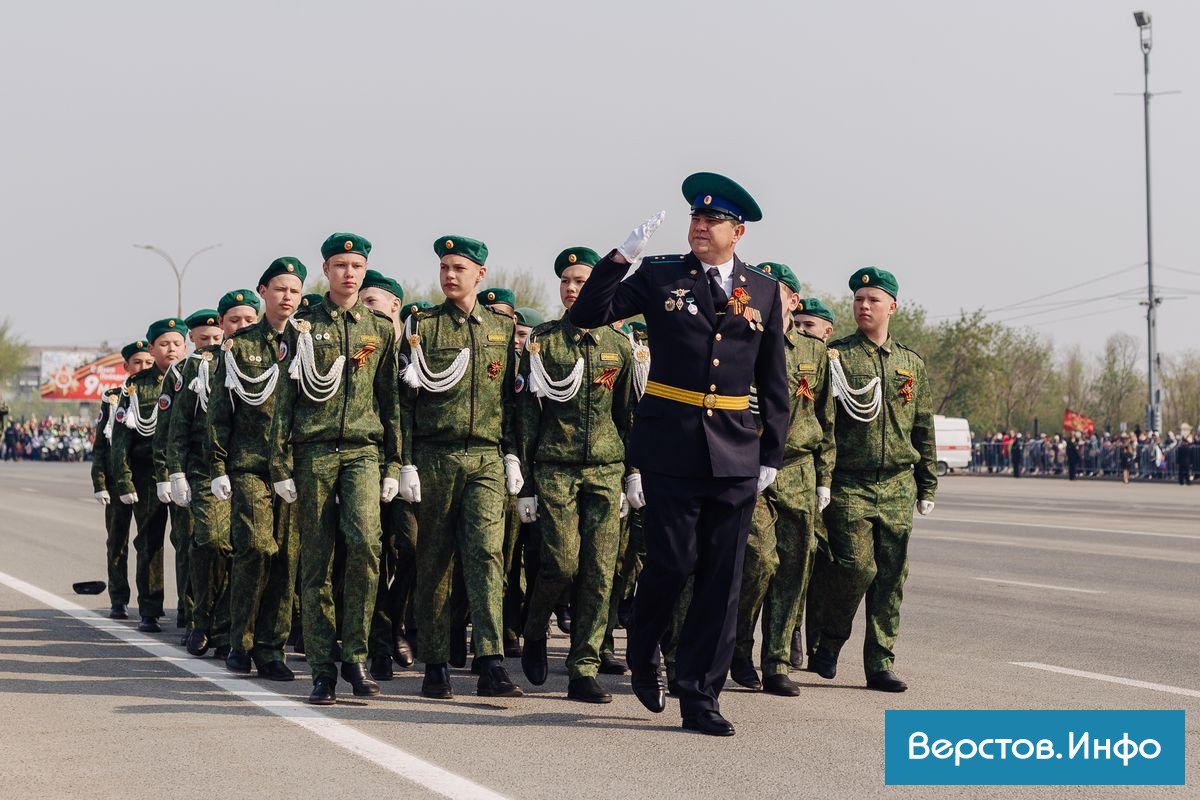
527, 509
624, 512
512, 475
102, 497
180, 490
389, 489
822, 498
924, 507
164, 491
633, 491
766, 476
639, 237
129, 499
410, 484
222, 489
286, 490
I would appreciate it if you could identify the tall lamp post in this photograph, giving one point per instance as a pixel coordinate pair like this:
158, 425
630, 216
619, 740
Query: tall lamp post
1153, 395
179, 273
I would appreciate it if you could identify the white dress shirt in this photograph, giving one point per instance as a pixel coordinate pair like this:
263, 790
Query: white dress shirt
726, 271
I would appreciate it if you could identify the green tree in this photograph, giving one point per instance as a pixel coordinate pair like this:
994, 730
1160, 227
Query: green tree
1119, 385
13, 352
1181, 384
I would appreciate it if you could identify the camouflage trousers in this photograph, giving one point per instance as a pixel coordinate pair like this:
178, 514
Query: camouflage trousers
630, 552
578, 516
181, 540
397, 574
150, 517
460, 518
822, 563
779, 557
117, 520
264, 544
869, 527
209, 561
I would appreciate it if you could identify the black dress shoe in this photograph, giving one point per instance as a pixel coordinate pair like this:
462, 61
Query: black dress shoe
149, 625
611, 665
222, 651
402, 651
533, 661
494, 680
355, 674
238, 661
276, 671
322, 692
458, 647
381, 668
512, 648
648, 688
672, 687
118, 612
563, 615
197, 642
886, 681
743, 673
437, 682
796, 661
781, 685
824, 663
587, 689
710, 723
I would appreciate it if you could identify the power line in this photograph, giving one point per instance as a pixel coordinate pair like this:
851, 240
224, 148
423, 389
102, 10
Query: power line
1177, 269
1106, 312
1021, 303
1059, 305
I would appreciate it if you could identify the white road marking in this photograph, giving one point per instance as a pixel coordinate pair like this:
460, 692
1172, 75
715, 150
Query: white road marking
1096, 676
1029, 544
393, 759
1080, 528
1040, 585
29, 489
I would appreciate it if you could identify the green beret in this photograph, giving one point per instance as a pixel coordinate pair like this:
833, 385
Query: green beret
375, 280
287, 265
716, 196
874, 276
782, 273
497, 295
140, 346
310, 300
529, 317
239, 297
413, 307
637, 327
815, 308
574, 256
461, 246
203, 317
168, 325
345, 243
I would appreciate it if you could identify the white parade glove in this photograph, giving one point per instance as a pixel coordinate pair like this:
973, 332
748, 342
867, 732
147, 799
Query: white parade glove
180, 490
633, 491
286, 490
924, 507
822, 498
389, 489
164, 491
624, 506
639, 237
410, 484
129, 499
527, 509
102, 497
512, 475
766, 476
222, 489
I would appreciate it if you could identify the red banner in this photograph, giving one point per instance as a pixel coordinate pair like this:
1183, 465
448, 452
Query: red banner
1073, 421
86, 382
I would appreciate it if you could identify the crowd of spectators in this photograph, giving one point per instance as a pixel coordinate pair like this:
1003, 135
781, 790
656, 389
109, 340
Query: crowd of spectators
46, 439
1128, 456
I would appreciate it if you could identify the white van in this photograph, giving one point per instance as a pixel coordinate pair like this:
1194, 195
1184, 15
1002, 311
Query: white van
953, 443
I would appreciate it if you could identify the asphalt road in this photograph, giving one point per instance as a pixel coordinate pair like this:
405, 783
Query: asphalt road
1011, 581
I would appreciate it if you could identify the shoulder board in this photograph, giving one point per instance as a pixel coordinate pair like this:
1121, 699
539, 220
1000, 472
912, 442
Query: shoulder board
909, 349
499, 313
381, 315
842, 342
212, 348
246, 331
671, 259
426, 313
545, 327
303, 311
808, 335
754, 268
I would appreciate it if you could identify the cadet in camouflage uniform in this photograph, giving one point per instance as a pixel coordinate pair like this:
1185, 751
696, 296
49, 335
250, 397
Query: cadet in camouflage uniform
886, 463
460, 458
782, 543
262, 541
135, 421
576, 408
117, 516
335, 412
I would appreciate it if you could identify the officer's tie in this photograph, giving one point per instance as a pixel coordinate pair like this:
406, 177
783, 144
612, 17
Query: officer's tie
720, 299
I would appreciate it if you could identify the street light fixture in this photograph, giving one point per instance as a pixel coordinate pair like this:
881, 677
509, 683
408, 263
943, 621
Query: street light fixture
179, 273
1153, 404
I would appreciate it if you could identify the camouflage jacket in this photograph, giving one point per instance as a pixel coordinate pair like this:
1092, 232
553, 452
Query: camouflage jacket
811, 424
102, 473
902, 436
363, 411
188, 424
479, 410
128, 446
239, 434
172, 385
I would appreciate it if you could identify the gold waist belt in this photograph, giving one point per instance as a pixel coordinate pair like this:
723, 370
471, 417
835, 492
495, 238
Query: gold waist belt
698, 399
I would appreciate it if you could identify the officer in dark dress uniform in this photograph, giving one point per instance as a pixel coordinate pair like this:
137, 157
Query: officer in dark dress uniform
717, 327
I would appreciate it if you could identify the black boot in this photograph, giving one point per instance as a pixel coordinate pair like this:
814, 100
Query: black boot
824, 663
322, 692
437, 682
381, 668
118, 612
222, 652
356, 675
276, 671
743, 673
458, 647
886, 681
533, 661
648, 688
197, 642
796, 661
563, 615
238, 661
588, 690
402, 651
149, 625
710, 723
781, 685
512, 647
494, 680
611, 665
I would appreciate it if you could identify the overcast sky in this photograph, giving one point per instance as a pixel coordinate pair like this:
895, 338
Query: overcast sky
977, 150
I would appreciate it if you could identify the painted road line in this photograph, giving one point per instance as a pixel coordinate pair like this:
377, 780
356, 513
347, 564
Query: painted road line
1040, 586
1031, 544
1096, 676
1047, 525
393, 759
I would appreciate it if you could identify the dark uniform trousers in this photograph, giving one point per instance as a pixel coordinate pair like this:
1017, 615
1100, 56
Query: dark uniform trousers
117, 519
208, 565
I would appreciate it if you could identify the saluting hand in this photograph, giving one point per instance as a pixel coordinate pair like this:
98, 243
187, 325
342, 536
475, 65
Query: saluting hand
639, 237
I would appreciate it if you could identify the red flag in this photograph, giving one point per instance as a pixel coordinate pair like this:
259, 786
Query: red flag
1074, 421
